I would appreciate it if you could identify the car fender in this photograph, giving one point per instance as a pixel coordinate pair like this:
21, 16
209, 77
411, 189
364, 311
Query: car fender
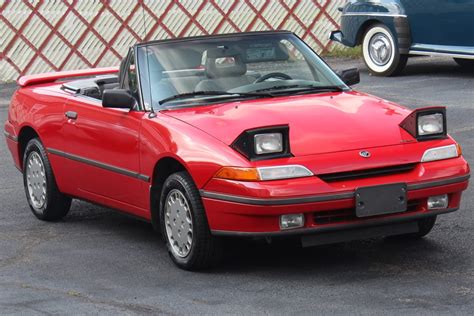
41, 110
167, 137
357, 16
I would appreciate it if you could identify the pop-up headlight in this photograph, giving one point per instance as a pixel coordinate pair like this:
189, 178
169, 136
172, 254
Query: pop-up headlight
264, 143
426, 123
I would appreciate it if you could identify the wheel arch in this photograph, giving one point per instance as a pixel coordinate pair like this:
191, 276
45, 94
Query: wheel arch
398, 26
163, 168
364, 27
26, 134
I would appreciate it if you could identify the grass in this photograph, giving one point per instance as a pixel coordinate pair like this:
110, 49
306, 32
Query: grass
345, 52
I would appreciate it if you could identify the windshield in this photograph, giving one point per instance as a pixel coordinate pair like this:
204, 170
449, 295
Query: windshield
223, 69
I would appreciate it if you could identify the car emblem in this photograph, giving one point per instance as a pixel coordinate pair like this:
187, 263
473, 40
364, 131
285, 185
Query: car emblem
364, 153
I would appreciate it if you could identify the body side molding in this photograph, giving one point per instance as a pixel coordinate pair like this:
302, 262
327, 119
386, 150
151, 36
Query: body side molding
99, 164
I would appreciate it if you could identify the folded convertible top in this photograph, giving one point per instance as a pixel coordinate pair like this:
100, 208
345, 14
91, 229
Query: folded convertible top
53, 76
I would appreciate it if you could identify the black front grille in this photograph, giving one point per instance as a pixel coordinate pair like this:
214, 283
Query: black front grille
332, 217
349, 214
366, 173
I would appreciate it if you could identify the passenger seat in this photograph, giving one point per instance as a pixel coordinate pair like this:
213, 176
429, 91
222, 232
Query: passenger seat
225, 76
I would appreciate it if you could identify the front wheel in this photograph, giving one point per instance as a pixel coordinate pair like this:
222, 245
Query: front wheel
465, 63
381, 53
44, 198
184, 225
424, 228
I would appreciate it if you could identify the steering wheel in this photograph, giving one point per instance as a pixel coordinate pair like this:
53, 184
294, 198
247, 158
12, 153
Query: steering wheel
277, 75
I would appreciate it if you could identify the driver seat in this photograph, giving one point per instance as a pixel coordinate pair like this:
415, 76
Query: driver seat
224, 76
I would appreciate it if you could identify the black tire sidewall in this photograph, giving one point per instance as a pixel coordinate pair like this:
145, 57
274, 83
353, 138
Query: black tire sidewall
56, 205
180, 181
465, 63
35, 145
426, 225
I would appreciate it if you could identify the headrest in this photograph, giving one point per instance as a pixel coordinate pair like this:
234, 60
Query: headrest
224, 62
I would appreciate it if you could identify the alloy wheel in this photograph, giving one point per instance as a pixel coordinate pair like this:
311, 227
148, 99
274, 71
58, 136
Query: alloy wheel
178, 223
36, 180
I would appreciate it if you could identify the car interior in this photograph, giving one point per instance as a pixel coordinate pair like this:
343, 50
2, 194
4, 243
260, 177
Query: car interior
199, 69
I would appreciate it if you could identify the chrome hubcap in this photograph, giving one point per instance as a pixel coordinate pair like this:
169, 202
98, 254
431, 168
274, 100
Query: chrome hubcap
179, 224
380, 49
36, 180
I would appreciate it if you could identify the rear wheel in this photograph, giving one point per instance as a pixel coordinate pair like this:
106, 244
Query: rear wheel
184, 225
465, 63
44, 198
381, 53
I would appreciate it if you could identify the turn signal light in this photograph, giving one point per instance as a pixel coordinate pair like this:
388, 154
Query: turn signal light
459, 149
240, 174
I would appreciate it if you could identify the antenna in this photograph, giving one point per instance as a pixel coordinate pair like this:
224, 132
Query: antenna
152, 111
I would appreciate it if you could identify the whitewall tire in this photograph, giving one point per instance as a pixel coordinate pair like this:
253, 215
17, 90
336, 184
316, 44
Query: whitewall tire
381, 53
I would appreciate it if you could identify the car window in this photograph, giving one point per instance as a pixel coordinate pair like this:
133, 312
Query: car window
130, 81
295, 65
132, 75
225, 65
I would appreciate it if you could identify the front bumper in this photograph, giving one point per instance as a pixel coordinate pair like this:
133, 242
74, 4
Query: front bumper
251, 212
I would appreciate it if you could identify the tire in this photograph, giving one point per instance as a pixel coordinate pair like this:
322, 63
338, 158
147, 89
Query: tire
386, 60
180, 203
44, 198
424, 225
465, 63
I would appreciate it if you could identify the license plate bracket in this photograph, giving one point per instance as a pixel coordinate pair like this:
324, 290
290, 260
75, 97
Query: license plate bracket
381, 199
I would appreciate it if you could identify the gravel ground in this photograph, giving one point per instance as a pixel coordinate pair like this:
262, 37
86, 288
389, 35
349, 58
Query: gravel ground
98, 261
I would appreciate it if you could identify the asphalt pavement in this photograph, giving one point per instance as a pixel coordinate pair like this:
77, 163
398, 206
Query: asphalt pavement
99, 261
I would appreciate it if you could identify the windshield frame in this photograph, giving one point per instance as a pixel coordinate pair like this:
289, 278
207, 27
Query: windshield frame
142, 64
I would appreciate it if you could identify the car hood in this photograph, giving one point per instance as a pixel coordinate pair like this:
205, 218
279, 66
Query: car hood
321, 123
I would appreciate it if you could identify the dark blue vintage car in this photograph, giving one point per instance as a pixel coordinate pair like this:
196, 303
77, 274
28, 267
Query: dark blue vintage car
392, 30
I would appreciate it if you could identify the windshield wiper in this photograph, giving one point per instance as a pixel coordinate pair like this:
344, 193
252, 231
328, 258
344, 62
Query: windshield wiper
212, 93
302, 88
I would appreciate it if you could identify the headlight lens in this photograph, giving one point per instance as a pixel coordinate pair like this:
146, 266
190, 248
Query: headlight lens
283, 172
264, 143
426, 123
268, 143
440, 153
430, 124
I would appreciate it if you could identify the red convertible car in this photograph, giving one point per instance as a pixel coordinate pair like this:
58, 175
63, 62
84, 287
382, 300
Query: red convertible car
243, 135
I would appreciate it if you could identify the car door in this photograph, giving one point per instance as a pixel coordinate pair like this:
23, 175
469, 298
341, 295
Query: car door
441, 22
104, 145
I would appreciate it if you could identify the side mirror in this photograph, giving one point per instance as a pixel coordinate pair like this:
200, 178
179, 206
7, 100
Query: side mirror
350, 76
118, 98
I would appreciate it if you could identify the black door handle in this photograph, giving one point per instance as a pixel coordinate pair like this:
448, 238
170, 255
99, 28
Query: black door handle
71, 115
